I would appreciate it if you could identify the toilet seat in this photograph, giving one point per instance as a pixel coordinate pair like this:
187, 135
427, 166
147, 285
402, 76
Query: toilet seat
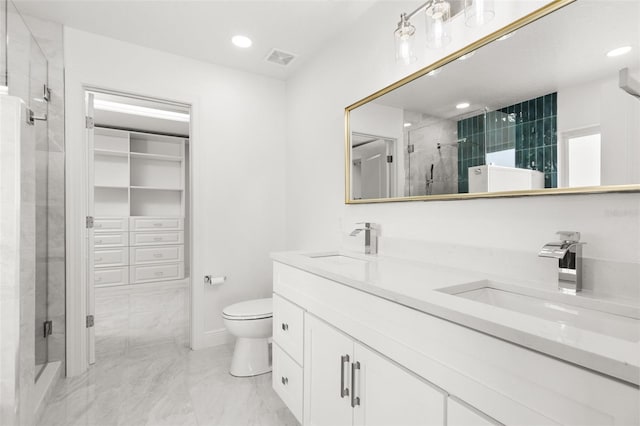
249, 310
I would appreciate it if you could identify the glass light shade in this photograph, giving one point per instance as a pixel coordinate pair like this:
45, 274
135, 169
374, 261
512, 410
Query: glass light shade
438, 24
478, 12
405, 36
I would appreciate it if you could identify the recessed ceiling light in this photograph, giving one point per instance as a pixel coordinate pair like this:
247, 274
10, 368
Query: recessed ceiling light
463, 105
467, 56
407, 124
619, 51
507, 36
241, 41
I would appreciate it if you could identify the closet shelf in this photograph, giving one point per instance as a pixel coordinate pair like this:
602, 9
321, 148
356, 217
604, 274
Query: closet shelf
160, 157
157, 188
111, 152
111, 186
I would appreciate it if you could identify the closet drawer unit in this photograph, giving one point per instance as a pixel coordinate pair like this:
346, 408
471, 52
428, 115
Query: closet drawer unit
158, 272
117, 256
111, 276
155, 238
164, 254
288, 327
111, 224
111, 239
152, 223
287, 381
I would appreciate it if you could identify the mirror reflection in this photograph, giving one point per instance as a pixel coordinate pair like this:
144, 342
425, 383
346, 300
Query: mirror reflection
554, 104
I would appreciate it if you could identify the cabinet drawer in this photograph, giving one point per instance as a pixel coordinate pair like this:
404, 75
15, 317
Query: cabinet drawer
287, 381
155, 238
163, 254
150, 223
111, 239
288, 327
159, 272
111, 276
111, 224
117, 256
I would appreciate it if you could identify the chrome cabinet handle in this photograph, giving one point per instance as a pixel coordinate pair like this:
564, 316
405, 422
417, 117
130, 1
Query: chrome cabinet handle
285, 326
355, 400
157, 254
157, 239
159, 274
98, 279
98, 259
344, 391
98, 241
157, 224
285, 380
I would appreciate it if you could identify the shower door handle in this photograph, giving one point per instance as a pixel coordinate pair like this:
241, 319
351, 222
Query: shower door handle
32, 118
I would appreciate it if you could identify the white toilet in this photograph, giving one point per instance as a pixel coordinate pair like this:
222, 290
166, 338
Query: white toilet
251, 323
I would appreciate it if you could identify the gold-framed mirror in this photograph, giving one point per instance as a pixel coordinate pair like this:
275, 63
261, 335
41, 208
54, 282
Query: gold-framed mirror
549, 104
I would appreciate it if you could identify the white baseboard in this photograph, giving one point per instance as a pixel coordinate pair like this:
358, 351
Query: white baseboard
215, 338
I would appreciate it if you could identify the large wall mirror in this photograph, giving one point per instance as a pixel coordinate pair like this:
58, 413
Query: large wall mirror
548, 105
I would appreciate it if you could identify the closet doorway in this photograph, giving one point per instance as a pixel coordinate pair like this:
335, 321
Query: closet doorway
138, 228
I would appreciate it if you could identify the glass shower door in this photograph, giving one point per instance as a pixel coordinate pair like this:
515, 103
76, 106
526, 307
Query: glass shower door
27, 78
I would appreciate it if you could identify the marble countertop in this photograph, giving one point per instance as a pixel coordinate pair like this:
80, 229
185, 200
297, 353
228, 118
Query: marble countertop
416, 284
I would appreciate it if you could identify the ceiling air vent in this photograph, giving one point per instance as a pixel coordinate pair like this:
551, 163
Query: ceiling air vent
279, 57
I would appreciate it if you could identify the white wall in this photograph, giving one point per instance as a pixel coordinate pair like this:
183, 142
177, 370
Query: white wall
238, 168
316, 215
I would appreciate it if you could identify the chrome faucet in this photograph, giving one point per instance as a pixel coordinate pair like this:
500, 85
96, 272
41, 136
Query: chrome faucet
370, 236
568, 251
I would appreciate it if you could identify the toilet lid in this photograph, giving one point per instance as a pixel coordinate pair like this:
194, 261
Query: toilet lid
254, 309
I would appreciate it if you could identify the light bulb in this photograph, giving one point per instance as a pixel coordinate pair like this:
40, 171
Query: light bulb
437, 24
404, 36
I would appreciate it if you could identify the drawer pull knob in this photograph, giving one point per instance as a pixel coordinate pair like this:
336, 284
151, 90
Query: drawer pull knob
285, 380
98, 241
159, 274
285, 326
157, 254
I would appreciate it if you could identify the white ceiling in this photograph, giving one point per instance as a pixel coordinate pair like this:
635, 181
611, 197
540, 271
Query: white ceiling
563, 49
202, 29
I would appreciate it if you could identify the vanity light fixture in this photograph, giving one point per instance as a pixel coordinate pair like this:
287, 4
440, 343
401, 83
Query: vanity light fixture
478, 12
507, 36
463, 105
241, 41
140, 110
467, 56
619, 51
437, 24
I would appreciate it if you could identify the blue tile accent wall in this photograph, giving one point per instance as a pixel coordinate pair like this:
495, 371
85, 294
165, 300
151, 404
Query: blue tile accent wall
529, 127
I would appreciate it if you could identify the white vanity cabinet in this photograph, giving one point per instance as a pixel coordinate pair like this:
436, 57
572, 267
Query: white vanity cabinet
403, 366
460, 415
347, 383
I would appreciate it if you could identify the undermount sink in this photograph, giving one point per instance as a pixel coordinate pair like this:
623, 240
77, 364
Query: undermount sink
338, 259
611, 319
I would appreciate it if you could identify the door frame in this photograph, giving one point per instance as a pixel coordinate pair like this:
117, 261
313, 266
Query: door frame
76, 244
562, 162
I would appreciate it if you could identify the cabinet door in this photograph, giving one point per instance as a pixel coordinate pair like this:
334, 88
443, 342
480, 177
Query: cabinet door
327, 357
461, 415
390, 395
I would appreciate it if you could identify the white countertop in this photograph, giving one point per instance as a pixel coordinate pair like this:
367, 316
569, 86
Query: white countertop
414, 284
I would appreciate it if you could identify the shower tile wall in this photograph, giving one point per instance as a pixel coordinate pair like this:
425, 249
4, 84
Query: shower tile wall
49, 37
426, 134
529, 127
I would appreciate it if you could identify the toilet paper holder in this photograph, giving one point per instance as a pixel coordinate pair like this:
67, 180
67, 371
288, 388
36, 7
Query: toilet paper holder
211, 280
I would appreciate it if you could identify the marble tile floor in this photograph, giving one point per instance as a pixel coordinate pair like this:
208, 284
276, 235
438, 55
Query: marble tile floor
166, 385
